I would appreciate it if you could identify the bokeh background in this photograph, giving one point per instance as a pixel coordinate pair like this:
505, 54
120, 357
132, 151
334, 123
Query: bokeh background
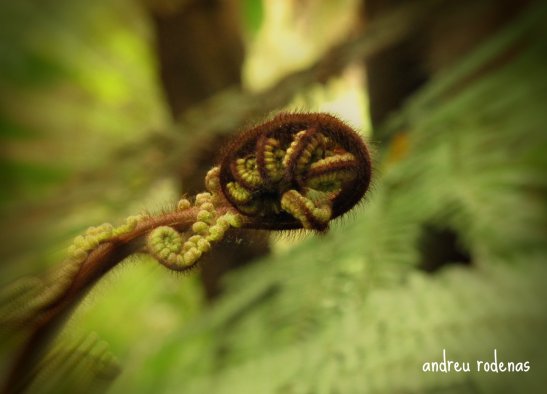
110, 108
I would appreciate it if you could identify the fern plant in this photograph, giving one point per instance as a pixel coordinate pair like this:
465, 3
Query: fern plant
297, 171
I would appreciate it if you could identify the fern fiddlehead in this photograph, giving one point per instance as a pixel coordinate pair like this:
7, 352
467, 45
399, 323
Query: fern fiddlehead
175, 252
296, 171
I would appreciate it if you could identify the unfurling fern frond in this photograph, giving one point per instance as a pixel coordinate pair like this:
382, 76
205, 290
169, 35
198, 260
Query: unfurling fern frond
296, 171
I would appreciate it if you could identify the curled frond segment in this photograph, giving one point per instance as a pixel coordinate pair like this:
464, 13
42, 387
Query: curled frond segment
269, 172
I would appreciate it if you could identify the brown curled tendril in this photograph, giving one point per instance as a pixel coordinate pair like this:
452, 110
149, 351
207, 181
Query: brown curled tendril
297, 170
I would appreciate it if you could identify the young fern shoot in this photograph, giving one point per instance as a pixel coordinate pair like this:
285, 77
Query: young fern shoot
295, 171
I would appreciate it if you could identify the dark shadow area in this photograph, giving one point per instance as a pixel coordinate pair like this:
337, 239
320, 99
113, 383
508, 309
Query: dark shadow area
439, 247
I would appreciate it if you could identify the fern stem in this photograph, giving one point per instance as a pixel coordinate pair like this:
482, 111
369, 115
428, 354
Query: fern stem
47, 322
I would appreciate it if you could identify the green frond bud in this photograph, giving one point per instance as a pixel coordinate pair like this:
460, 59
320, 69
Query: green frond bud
78, 254
79, 241
205, 216
202, 198
207, 206
223, 223
130, 224
311, 216
238, 193
183, 204
188, 245
212, 181
216, 233
200, 227
192, 256
246, 172
194, 238
203, 245
234, 219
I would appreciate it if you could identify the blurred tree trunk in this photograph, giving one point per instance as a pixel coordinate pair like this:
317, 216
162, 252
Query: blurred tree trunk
200, 52
396, 72
199, 47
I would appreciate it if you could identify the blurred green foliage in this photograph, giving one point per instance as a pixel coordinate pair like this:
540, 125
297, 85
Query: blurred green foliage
253, 13
345, 312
